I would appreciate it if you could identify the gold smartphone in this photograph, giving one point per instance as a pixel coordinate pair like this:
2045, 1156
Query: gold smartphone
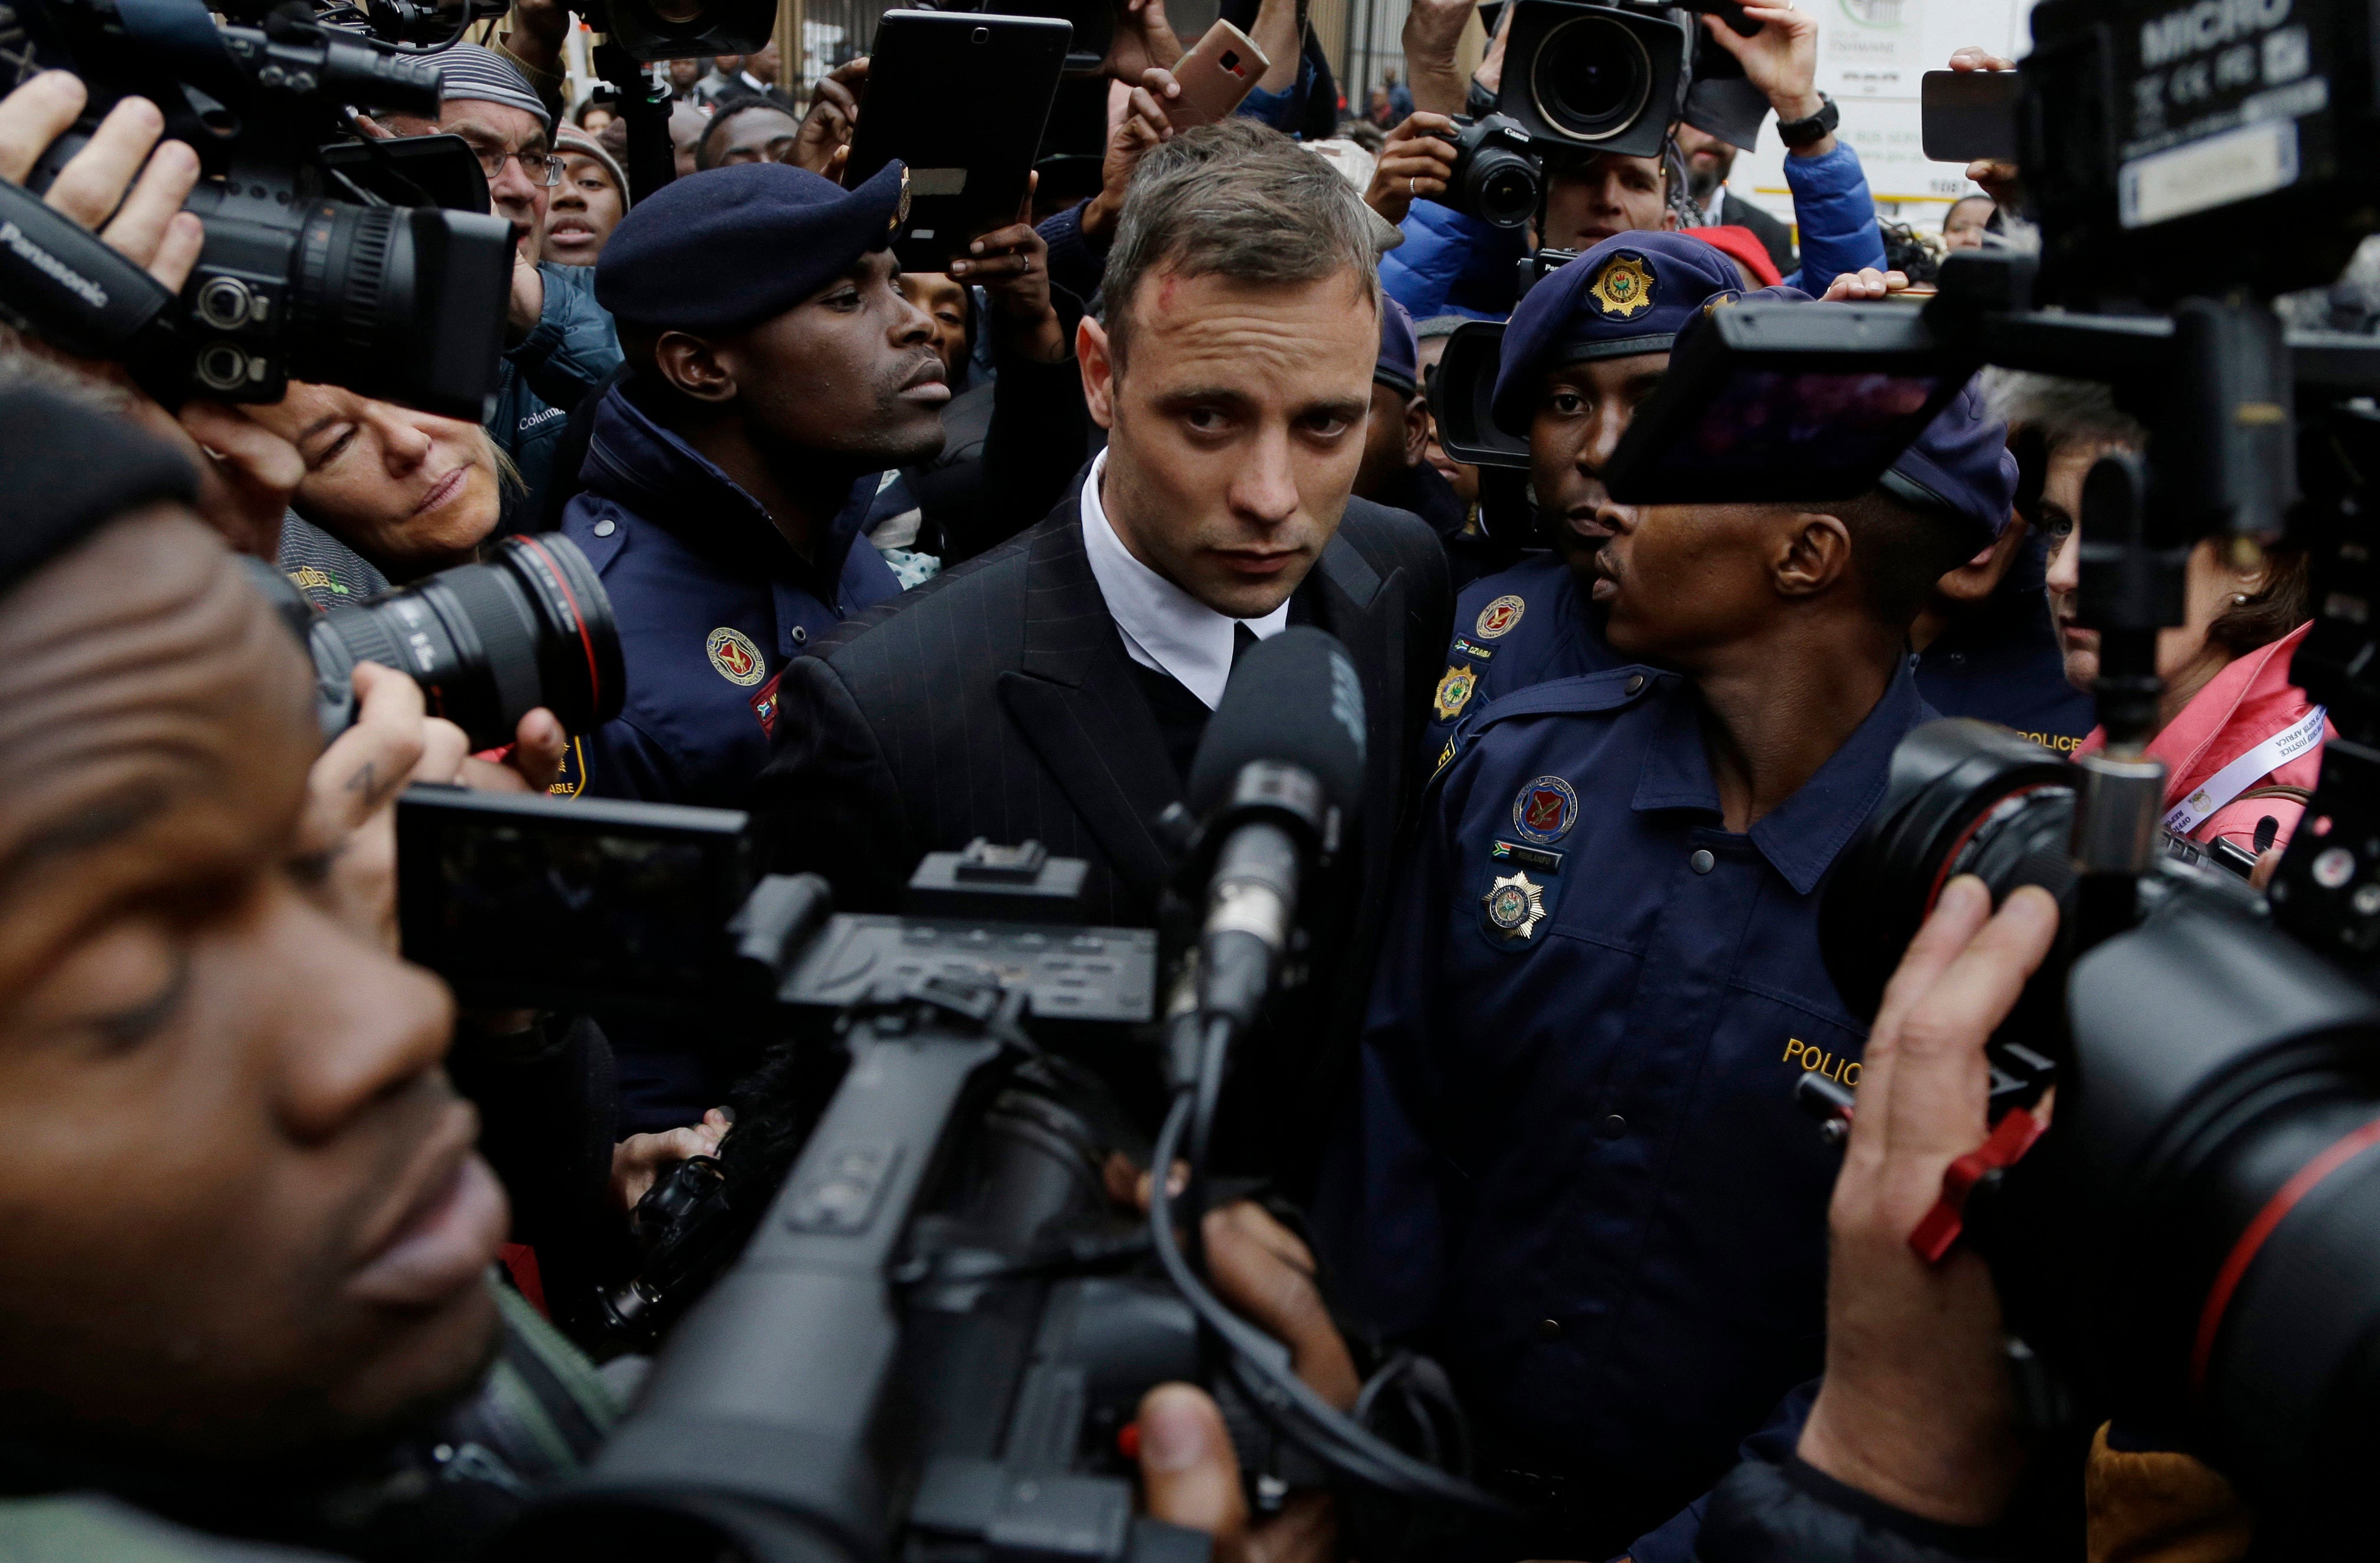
1215, 76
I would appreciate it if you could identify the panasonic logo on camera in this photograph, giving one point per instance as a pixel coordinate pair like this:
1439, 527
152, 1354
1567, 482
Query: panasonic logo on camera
50, 265
2210, 24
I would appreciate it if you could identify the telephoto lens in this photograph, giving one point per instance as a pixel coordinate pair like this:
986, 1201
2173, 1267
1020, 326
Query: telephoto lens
488, 643
2194, 1245
1962, 797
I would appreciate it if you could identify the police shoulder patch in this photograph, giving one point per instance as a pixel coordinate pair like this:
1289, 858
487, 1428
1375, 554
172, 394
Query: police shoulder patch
1544, 810
1498, 618
1454, 691
735, 658
764, 705
1446, 755
1623, 286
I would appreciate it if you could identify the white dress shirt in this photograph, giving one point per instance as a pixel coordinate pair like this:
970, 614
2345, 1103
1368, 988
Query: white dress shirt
1164, 627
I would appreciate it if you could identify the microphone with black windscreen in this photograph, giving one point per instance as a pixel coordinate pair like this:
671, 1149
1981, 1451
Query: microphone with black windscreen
1276, 785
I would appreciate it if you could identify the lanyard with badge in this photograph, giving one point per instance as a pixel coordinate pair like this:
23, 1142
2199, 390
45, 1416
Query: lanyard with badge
2241, 774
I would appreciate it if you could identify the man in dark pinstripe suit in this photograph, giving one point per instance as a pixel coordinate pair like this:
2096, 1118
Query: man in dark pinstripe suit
1055, 688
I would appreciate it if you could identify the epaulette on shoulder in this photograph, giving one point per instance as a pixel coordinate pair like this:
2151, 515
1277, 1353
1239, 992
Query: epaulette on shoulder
1583, 696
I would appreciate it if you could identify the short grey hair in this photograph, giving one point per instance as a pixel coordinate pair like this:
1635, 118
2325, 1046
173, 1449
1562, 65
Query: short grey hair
1240, 201
2062, 411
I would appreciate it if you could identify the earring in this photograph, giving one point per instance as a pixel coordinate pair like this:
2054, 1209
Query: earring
2238, 600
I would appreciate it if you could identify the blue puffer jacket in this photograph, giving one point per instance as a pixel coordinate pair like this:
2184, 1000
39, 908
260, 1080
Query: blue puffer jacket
572, 350
1451, 264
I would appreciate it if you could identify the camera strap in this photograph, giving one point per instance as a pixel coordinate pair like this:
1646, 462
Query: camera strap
2236, 777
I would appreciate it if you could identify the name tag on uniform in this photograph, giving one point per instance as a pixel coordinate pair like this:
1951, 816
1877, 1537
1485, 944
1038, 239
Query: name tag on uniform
1538, 858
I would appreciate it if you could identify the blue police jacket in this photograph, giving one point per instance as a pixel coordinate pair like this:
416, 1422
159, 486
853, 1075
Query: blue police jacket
1527, 624
2000, 662
1578, 1172
1451, 264
712, 603
2014, 680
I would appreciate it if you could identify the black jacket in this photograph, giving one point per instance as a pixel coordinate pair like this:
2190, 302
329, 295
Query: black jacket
998, 700
1793, 1513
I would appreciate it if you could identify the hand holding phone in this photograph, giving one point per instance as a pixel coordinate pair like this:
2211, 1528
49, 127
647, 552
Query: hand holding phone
1215, 77
1969, 116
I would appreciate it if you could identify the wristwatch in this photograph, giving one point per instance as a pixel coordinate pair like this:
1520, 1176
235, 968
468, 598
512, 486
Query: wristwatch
1800, 133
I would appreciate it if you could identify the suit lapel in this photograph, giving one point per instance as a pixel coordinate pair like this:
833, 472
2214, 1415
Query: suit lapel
1076, 702
1365, 611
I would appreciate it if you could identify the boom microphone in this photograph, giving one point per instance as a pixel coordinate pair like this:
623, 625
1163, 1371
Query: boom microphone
1276, 784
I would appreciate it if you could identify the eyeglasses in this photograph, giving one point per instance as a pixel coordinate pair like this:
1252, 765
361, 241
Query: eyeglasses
540, 167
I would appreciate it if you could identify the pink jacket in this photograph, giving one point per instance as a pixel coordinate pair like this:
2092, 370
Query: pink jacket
2246, 703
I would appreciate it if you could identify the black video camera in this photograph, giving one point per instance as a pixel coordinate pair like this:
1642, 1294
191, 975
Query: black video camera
337, 269
937, 1328
679, 29
1584, 77
488, 643
899, 1313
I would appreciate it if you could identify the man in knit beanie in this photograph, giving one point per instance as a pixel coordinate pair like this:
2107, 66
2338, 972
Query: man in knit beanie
559, 343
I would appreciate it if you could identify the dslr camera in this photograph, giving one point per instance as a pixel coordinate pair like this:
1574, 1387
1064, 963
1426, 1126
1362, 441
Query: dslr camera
333, 265
530, 625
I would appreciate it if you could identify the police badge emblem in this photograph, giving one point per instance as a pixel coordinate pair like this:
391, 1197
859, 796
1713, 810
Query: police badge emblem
1454, 691
734, 657
1515, 905
1498, 618
1623, 286
1544, 811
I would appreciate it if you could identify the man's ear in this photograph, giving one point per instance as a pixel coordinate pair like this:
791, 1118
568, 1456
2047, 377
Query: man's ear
1814, 555
693, 367
1417, 430
1098, 371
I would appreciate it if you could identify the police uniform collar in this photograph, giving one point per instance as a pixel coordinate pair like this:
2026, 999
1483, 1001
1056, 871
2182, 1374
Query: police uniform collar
1800, 837
636, 462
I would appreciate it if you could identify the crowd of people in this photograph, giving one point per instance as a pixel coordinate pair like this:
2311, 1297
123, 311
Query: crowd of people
905, 559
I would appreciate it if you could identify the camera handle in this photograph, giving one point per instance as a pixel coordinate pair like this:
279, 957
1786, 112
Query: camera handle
652, 160
2130, 589
2225, 462
63, 284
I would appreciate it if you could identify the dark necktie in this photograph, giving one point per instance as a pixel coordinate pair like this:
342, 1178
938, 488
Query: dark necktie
1242, 639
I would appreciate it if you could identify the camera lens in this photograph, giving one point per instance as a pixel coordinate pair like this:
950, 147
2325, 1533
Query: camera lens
1962, 797
1591, 78
403, 303
1503, 188
488, 643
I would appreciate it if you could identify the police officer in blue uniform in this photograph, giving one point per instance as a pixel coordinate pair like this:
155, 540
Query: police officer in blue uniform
1578, 1174
1607, 350
1986, 649
776, 372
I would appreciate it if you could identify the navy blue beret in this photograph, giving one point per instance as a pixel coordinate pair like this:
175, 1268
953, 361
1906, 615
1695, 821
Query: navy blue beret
1631, 294
730, 246
1960, 466
1399, 365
